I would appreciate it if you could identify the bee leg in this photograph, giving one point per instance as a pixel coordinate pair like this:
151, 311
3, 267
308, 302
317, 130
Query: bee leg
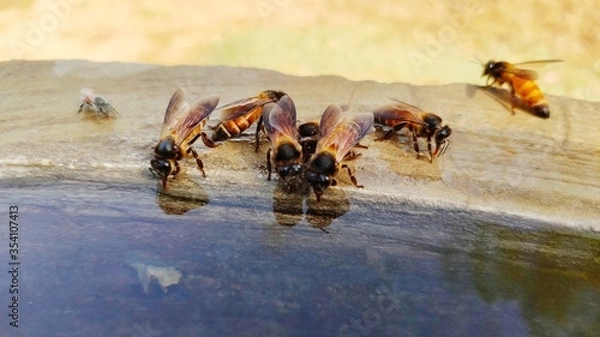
259, 127
391, 132
352, 177
177, 169
429, 149
416, 144
207, 141
441, 148
164, 182
198, 161
318, 195
103, 111
80, 108
387, 135
513, 100
269, 164
352, 155
360, 146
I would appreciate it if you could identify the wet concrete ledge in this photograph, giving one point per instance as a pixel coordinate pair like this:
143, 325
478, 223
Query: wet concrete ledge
517, 166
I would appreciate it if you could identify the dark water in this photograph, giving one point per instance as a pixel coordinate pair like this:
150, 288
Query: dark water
92, 255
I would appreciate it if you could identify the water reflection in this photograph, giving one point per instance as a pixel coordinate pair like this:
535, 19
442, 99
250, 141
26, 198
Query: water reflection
321, 214
555, 278
288, 208
226, 270
178, 200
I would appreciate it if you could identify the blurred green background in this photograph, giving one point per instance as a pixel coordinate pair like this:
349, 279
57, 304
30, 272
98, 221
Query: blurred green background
425, 42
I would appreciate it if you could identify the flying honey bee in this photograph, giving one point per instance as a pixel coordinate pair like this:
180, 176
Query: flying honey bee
423, 124
521, 82
182, 126
98, 105
280, 125
238, 116
337, 137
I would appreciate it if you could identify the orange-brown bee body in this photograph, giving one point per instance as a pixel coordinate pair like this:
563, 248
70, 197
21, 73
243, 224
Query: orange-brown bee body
238, 116
337, 137
521, 82
421, 124
182, 126
279, 120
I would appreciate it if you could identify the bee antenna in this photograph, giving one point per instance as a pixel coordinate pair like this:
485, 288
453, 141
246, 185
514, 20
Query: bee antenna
479, 62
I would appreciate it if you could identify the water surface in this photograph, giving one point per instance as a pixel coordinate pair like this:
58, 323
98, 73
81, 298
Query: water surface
125, 261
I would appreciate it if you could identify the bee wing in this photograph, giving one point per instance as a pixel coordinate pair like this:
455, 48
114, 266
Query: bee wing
537, 62
346, 135
523, 73
87, 95
399, 111
406, 106
280, 119
185, 125
177, 108
331, 117
526, 73
241, 107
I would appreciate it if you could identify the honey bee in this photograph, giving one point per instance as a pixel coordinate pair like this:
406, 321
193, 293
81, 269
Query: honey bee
521, 82
238, 116
423, 124
309, 134
98, 105
337, 137
182, 126
279, 121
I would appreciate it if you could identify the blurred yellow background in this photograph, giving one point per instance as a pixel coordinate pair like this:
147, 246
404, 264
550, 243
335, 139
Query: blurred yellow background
421, 42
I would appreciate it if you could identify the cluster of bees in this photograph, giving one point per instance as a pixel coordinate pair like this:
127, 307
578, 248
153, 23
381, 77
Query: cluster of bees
314, 152
311, 153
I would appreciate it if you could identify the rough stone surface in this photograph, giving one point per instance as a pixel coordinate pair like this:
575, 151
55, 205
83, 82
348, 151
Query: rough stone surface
544, 169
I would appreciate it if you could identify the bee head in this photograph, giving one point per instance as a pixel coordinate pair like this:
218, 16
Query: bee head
442, 134
318, 182
273, 95
493, 70
289, 171
488, 68
291, 176
161, 167
441, 140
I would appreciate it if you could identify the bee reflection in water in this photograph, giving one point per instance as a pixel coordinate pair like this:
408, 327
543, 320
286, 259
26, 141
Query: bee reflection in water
184, 196
288, 208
